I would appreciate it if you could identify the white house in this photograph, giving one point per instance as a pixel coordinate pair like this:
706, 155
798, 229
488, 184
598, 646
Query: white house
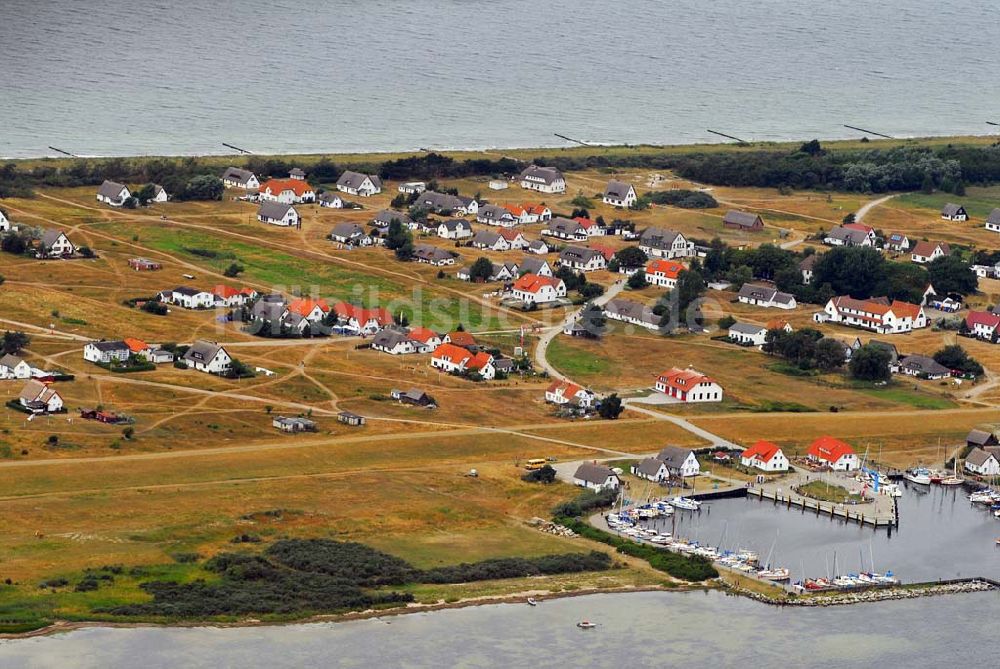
619, 194
529, 213
634, 313
582, 259
106, 352
494, 214
567, 392
39, 398
897, 241
765, 456
954, 212
456, 228
55, 244
538, 247
651, 469
766, 296
350, 233
850, 234
688, 385
234, 177
4, 222
206, 356
287, 191
159, 194
993, 220
411, 187
278, 213
664, 243
596, 477
535, 289
679, 461
663, 273
113, 193
833, 453
748, 334
875, 314
455, 359
983, 325
191, 298
13, 367
542, 179
432, 255
355, 183
982, 462
925, 252
539, 266
331, 201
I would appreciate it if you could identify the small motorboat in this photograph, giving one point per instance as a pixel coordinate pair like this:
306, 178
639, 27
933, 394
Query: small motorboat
998, 541
532, 601
919, 476
776, 575
586, 625
685, 503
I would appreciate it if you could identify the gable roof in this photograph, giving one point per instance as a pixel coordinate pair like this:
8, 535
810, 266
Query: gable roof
454, 353
202, 351
649, 466
274, 210
926, 249
237, 174
532, 283
674, 456
658, 238
579, 254
950, 209
110, 346
304, 306
617, 189
668, 268
986, 318
809, 261
548, 175
981, 437
762, 450
632, 310
994, 217
829, 449
111, 189
297, 186
978, 457
592, 472
354, 180
50, 237
10, 361
347, 230
431, 252
923, 365
742, 218
747, 328
386, 216
461, 338
135, 345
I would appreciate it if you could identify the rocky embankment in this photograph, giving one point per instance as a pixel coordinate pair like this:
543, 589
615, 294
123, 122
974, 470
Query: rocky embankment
873, 595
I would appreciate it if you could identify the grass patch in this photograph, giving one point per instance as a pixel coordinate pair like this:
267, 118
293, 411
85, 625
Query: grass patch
909, 397
789, 369
575, 362
825, 492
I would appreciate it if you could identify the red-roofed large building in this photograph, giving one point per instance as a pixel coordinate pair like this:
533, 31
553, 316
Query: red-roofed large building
362, 320
287, 191
833, 453
688, 385
663, 273
455, 359
532, 288
309, 309
567, 392
984, 325
875, 314
765, 456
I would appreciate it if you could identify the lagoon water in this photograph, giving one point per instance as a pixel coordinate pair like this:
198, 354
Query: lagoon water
181, 77
634, 630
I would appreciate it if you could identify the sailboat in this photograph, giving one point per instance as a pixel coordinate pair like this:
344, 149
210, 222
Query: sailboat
953, 479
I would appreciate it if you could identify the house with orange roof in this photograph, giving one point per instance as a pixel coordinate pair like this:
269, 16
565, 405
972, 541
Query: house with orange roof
688, 385
308, 309
459, 338
567, 392
779, 324
426, 337
361, 320
925, 252
833, 453
287, 191
765, 456
535, 289
457, 360
227, 296
525, 214
983, 325
876, 314
663, 273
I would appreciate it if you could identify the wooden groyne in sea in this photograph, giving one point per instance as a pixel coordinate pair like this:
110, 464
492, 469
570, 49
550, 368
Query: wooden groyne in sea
886, 518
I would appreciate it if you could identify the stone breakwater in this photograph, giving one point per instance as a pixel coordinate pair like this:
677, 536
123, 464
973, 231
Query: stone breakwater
874, 594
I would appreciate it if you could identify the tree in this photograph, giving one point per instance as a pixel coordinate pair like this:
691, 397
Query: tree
85, 251
871, 363
849, 218
145, 194
14, 342
128, 432
405, 251
611, 407
234, 270
690, 286
15, 243
829, 355
546, 474
593, 320
950, 274
397, 235
481, 270
812, 147
204, 187
631, 257
637, 280
955, 357
589, 291
850, 270
726, 322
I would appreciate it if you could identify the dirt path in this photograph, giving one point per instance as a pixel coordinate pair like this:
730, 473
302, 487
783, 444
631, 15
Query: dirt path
868, 206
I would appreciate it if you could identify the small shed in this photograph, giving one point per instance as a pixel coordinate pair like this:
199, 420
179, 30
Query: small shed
294, 424
352, 419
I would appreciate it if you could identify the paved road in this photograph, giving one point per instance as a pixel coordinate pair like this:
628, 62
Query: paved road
551, 333
714, 439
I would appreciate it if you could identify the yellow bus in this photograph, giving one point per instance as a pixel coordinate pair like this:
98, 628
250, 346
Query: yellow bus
535, 463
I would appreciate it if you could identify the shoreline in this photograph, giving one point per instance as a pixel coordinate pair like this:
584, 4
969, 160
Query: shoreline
846, 598
385, 154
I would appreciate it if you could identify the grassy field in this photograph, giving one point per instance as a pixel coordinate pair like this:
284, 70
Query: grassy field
205, 465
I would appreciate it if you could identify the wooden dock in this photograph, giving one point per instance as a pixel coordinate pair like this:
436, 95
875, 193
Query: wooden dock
886, 516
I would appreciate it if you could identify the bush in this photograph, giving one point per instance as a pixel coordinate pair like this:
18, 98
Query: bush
685, 199
546, 474
588, 500
518, 568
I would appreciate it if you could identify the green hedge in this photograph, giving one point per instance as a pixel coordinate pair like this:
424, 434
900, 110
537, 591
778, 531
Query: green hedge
686, 568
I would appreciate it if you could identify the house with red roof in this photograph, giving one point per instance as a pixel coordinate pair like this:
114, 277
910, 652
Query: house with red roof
457, 360
663, 273
227, 296
567, 392
833, 453
535, 289
309, 309
287, 191
459, 338
526, 214
877, 314
925, 252
984, 325
361, 320
688, 385
765, 456
426, 337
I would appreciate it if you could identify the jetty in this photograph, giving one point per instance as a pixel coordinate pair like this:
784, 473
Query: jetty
882, 511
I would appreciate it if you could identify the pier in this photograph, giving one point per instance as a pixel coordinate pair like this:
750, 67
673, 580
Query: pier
882, 512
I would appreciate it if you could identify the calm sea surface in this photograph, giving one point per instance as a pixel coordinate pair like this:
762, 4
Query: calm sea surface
634, 630
180, 77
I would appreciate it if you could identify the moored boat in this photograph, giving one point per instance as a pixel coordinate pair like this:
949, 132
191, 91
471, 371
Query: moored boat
780, 574
685, 503
920, 476
586, 625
